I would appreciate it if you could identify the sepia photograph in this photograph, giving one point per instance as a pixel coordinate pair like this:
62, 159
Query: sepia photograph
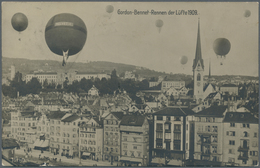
150, 84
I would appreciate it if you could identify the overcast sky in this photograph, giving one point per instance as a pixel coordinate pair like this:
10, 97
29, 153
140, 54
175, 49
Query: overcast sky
134, 39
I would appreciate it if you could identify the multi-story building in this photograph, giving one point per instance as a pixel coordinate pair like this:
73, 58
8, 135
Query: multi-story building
70, 134
91, 139
172, 126
41, 76
60, 77
134, 133
112, 136
209, 135
175, 84
232, 89
55, 131
240, 142
23, 126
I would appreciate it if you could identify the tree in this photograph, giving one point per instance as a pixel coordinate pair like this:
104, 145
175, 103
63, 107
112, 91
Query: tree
45, 84
34, 86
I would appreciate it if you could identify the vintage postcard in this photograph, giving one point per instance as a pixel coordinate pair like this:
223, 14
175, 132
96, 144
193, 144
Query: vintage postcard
130, 84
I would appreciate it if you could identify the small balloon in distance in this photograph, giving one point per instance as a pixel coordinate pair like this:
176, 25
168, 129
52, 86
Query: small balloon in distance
65, 32
221, 46
19, 22
159, 23
247, 13
109, 9
183, 60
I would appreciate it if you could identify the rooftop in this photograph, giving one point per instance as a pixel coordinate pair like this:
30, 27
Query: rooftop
175, 111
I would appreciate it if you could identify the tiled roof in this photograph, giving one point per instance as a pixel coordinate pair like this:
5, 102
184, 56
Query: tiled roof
70, 118
56, 115
132, 120
215, 111
119, 115
240, 117
174, 111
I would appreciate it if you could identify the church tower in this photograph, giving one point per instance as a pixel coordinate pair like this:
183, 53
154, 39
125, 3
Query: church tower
198, 70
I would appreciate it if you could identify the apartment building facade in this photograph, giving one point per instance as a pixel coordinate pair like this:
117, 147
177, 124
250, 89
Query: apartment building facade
134, 133
240, 142
171, 143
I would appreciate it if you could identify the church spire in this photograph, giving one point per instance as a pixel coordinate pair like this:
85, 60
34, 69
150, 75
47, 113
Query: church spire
198, 55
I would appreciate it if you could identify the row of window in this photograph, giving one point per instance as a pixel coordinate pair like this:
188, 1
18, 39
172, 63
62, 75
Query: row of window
245, 134
132, 153
88, 142
111, 129
168, 118
111, 122
87, 135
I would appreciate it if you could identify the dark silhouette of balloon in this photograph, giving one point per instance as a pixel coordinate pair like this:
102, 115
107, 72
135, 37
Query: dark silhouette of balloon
183, 60
65, 34
19, 22
247, 13
109, 9
221, 46
159, 23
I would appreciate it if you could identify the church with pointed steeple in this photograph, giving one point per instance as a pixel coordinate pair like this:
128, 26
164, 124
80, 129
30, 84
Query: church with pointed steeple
198, 70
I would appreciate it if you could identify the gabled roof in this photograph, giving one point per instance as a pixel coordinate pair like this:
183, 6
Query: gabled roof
118, 115
70, 118
207, 85
56, 115
211, 95
132, 120
213, 111
240, 117
174, 111
100, 122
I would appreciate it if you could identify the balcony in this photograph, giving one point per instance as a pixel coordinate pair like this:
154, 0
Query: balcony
243, 157
242, 149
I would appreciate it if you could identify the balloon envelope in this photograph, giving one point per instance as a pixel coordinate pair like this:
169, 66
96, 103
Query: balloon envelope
109, 9
183, 60
19, 22
65, 32
221, 46
247, 13
159, 23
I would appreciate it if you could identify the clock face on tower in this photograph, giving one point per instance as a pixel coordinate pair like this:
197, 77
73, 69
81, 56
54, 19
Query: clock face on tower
198, 83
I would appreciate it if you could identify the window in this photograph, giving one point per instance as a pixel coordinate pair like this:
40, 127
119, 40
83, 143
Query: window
244, 161
214, 149
232, 133
215, 128
159, 135
231, 142
254, 162
159, 127
231, 151
177, 118
198, 77
245, 134
177, 127
158, 144
232, 124
159, 118
255, 134
207, 119
125, 153
134, 147
246, 126
177, 136
253, 153
214, 138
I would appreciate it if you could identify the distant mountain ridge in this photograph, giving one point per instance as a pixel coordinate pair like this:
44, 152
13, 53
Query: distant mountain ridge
26, 66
